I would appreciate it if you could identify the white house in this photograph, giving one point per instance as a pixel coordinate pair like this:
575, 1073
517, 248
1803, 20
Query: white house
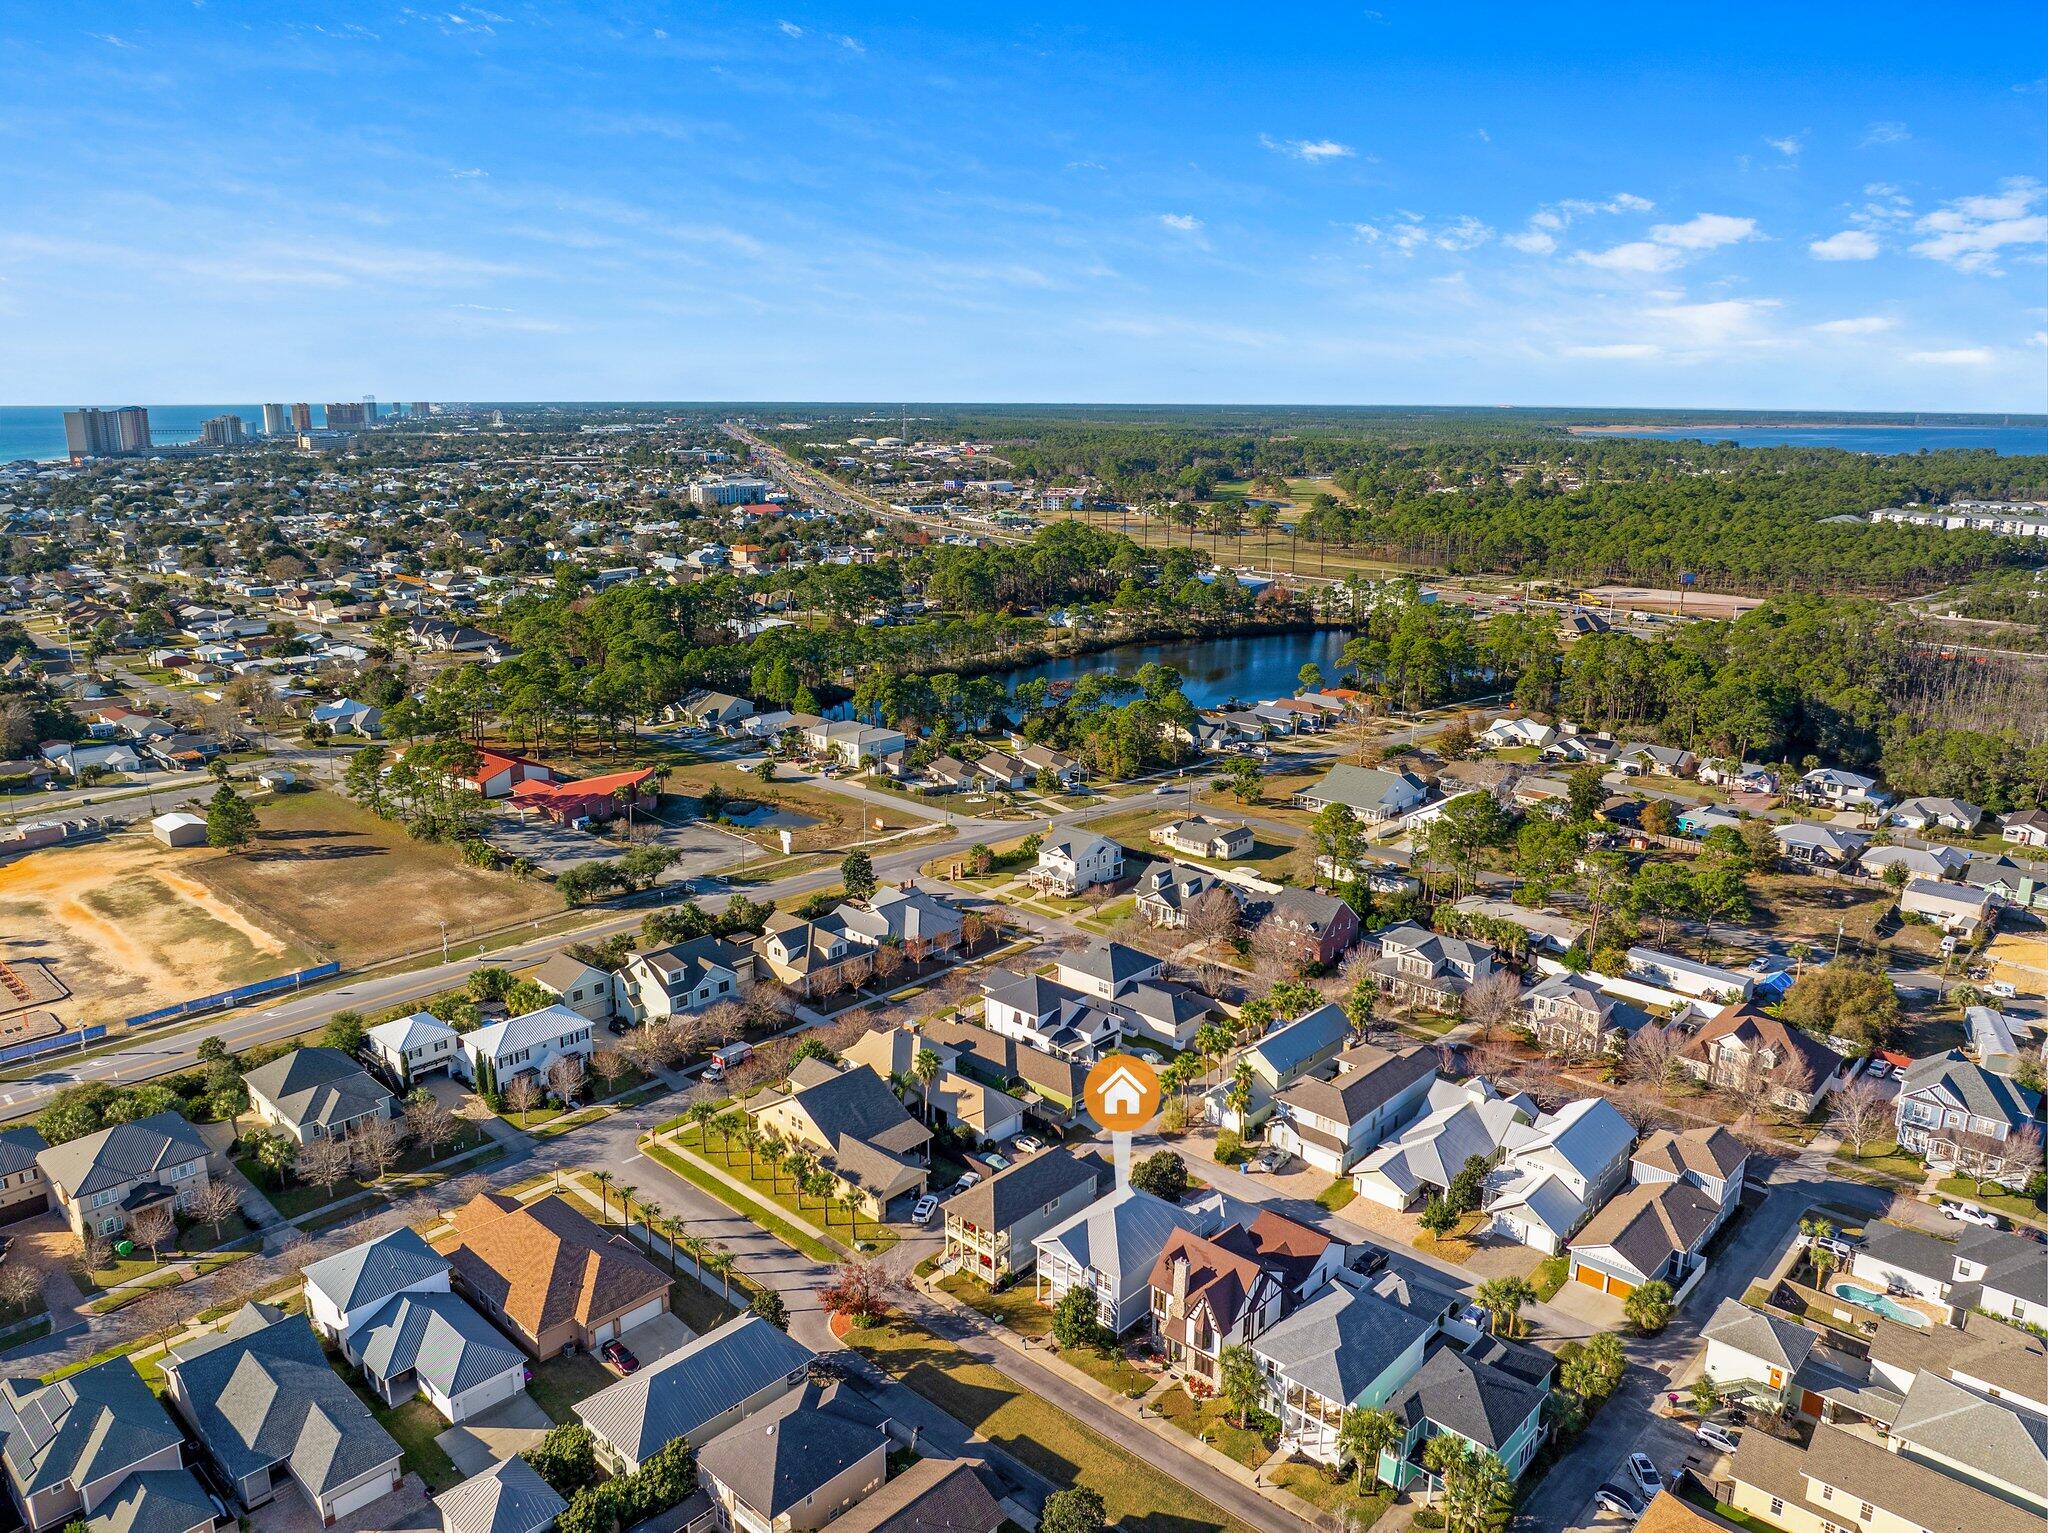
491, 1056
345, 716
1511, 734
1953, 907
1074, 861
345, 1290
1840, 789
410, 1047
1951, 814
1557, 1171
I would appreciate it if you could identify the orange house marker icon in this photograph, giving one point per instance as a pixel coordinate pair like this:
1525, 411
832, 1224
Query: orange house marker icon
1122, 1093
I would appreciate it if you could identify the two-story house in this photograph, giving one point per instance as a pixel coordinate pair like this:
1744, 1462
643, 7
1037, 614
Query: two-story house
1167, 892
991, 1226
1200, 836
1287, 1054
1426, 968
104, 1181
1334, 1123
493, 1055
1571, 1016
24, 1190
1556, 1171
681, 978
1952, 1112
1209, 1292
1076, 860
410, 1048
1047, 1015
580, 986
1746, 1050
74, 1447
1838, 788
316, 1093
345, 1290
810, 957
1313, 930
1709, 1159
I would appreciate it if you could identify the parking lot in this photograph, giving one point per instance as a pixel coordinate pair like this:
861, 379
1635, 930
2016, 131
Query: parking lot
1671, 1447
703, 849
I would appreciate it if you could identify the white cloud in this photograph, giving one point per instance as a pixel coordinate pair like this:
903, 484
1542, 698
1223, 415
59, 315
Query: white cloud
1788, 147
1717, 326
1369, 233
789, 29
1531, 242
1314, 151
1463, 234
1968, 233
1186, 223
1861, 324
470, 174
1620, 351
2038, 338
1849, 245
1705, 231
1886, 133
1959, 356
853, 45
1635, 256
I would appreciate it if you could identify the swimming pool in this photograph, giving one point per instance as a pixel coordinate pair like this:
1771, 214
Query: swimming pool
1877, 1303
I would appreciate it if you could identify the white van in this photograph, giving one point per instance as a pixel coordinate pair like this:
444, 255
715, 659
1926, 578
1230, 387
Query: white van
729, 1057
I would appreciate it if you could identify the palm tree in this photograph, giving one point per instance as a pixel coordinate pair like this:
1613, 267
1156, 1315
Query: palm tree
771, 1152
694, 1247
819, 1184
851, 1202
723, 1262
926, 1069
604, 1182
1503, 1298
1363, 1434
626, 1191
701, 1114
727, 1124
670, 1227
749, 1136
1238, 1098
798, 1165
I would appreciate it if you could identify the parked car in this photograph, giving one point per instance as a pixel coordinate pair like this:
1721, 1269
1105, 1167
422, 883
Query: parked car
1613, 1498
1375, 1257
967, 1180
1027, 1144
1970, 1213
1878, 1070
620, 1026
2004, 989
1714, 1435
619, 1355
926, 1207
1644, 1473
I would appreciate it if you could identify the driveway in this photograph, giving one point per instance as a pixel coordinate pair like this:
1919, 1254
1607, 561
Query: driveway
652, 1340
1670, 1446
495, 1435
404, 1509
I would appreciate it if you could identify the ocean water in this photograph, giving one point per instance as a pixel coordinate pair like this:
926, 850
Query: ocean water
2006, 441
37, 431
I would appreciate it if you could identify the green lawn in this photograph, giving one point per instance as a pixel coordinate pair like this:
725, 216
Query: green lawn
1357, 1506
297, 1197
560, 1382
782, 1193
773, 1223
1138, 1496
1550, 1275
1886, 1158
415, 1425
1216, 1423
1337, 1195
1016, 1308
126, 1269
2011, 1204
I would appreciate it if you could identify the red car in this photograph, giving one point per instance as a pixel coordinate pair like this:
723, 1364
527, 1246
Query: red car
617, 1354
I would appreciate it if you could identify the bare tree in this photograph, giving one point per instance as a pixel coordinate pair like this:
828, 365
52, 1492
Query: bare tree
855, 970
1986, 1158
160, 1312
1491, 1000
726, 1021
432, 1126
565, 1077
154, 1227
1639, 1102
1652, 1055
888, 962
763, 1005
1858, 1113
20, 1284
215, 1204
377, 1145
1212, 916
98, 1251
522, 1092
325, 1163
608, 1065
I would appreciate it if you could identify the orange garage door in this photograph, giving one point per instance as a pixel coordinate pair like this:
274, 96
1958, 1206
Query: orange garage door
1606, 1284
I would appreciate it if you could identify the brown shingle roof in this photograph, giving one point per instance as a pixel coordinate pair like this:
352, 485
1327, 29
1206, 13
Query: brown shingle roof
1712, 1152
544, 1263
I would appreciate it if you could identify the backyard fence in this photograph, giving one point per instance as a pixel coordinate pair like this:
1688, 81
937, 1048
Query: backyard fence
236, 996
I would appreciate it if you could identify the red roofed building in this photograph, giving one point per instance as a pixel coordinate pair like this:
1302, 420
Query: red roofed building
498, 774
1211, 1292
589, 800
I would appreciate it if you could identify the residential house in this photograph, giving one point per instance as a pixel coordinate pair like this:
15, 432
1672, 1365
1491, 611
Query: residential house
1557, 1171
74, 1446
1388, 1342
1209, 1292
1753, 1053
991, 1226
1048, 1084
1955, 1114
508, 1497
1741, 776
1372, 795
903, 916
1333, 1123
550, 1276
1820, 846
1074, 861
1655, 761
1312, 929
2021, 884
933, 1495
498, 773
1850, 1483
1708, 1159
1200, 836
1570, 1015
1935, 862
1043, 758
260, 1397
2025, 827
1949, 814
411, 1048
1046, 1014
582, 987
1104, 970
1289, 1053
680, 979
1580, 747
696, 1392
1110, 1248
855, 1125
435, 1346
493, 1055
1426, 968
1547, 930
712, 710
797, 1462
165, 1500
2001, 1043
852, 744
345, 1290
1516, 734
948, 773
1651, 1232
24, 1189
105, 1180
345, 716
1162, 1011
1166, 893
1459, 1120
1755, 1356
1840, 789
1694, 980
808, 956
1955, 908
981, 1109
317, 1093
1000, 772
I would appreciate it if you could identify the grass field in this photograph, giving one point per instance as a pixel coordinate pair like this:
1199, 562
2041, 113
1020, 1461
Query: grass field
349, 886
127, 924
1215, 1423
1018, 1309
836, 821
1138, 1496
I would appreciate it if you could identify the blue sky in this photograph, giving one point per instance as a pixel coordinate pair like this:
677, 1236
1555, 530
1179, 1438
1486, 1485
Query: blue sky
1791, 206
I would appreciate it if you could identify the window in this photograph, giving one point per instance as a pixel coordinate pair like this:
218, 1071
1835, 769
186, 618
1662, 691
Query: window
1865, 1511
1777, 1506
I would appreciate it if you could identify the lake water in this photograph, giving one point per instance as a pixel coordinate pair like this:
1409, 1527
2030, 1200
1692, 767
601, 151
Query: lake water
37, 431
1250, 668
2006, 441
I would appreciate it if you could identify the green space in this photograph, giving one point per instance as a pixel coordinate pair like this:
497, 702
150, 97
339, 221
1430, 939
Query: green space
746, 1207
2011, 1204
1337, 1195
1356, 1506
1550, 1276
1215, 1423
769, 1185
414, 1425
296, 1197
153, 1274
1017, 1309
560, 1382
1886, 1159
1139, 1497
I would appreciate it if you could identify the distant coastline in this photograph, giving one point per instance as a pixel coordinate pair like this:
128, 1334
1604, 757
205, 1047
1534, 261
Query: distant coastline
1664, 427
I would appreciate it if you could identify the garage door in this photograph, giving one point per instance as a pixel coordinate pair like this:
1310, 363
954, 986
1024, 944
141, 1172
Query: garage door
488, 1394
355, 1500
1591, 1278
1619, 1289
643, 1314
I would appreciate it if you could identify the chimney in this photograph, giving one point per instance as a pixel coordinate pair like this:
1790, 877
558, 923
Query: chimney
1180, 1284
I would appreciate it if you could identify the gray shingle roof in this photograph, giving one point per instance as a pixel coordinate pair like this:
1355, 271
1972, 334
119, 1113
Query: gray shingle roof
858, 1104
934, 1495
1756, 1334
19, 1148
1464, 1392
127, 1152
1972, 1088
509, 1497
791, 1448
1990, 1436
1647, 1224
86, 1426
1374, 1077
1286, 1048
155, 1501
267, 1396
1340, 1343
692, 1385
1023, 1189
439, 1337
376, 1269
318, 1087
1111, 962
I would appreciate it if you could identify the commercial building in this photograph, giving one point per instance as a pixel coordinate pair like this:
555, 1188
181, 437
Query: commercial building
277, 420
91, 433
223, 431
